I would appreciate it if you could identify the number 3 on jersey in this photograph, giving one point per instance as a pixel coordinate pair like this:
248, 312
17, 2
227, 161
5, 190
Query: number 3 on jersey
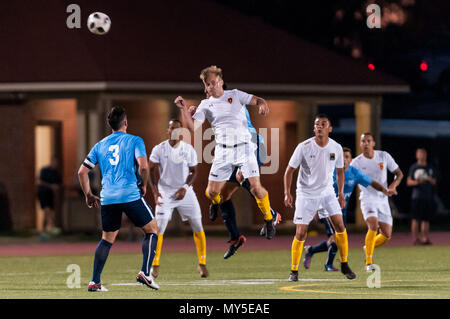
115, 154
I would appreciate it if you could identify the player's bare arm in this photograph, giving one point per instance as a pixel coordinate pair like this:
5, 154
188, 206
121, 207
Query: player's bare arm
144, 173
380, 188
179, 195
287, 181
261, 104
340, 177
91, 199
186, 113
397, 180
153, 182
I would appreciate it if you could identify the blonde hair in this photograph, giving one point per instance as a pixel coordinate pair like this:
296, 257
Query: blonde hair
210, 69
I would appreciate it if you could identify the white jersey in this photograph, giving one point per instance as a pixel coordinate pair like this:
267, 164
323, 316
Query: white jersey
376, 168
317, 164
174, 163
227, 117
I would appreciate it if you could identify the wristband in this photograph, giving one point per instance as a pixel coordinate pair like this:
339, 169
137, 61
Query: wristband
185, 186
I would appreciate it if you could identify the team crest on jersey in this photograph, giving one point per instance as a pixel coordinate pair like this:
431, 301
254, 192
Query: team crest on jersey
332, 156
381, 165
230, 100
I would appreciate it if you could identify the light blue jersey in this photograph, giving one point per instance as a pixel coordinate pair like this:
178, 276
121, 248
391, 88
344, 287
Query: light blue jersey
353, 176
116, 156
257, 139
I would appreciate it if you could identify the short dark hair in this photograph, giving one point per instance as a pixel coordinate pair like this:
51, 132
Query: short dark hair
116, 116
347, 149
177, 121
322, 116
367, 133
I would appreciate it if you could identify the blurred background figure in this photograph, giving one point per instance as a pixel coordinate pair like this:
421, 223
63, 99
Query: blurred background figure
422, 179
49, 186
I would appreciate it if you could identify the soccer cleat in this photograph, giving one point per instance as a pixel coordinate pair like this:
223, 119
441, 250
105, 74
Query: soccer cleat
271, 224
345, 269
213, 211
203, 271
330, 268
96, 287
293, 275
307, 259
147, 280
235, 244
369, 268
155, 271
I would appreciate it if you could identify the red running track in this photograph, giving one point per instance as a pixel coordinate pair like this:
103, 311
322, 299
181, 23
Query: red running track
180, 244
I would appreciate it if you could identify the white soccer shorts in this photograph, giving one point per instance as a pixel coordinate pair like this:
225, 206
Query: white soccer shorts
188, 207
306, 208
227, 158
381, 210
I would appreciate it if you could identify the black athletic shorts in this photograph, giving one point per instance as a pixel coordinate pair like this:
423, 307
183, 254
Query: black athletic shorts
46, 197
422, 209
139, 212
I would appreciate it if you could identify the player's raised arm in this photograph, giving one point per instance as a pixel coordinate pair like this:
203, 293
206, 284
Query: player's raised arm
287, 182
186, 113
261, 104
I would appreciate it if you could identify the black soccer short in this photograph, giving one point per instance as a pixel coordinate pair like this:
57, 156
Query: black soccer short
139, 212
46, 197
422, 209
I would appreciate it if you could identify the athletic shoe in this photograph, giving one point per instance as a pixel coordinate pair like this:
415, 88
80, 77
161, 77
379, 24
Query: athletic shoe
307, 259
155, 271
213, 211
147, 280
235, 244
96, 287
345, 269
293, 276
203, 271
369, 268
330, 268
274, 222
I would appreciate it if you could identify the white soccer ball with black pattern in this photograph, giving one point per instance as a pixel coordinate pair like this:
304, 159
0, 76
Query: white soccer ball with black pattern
99, 23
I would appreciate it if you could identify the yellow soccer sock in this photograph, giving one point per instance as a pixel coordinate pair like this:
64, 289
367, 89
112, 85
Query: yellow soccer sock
296, 253
200, 245
380, 240
215, 199
264, 206
370, 245
158, 250
342, 244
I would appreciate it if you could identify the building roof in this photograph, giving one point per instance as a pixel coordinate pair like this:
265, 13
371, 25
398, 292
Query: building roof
163, 45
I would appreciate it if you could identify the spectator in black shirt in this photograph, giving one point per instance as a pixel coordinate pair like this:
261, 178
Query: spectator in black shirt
422, 178
49, 184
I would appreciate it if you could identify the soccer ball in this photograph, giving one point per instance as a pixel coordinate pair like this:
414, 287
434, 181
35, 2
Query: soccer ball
99, 23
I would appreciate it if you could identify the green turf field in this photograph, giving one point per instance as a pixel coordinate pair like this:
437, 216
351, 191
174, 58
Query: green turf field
406, 272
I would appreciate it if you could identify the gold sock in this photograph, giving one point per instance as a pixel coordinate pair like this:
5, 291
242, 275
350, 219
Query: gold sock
215, 199
264, 206
342, 244
370, 246
158, 250
380, 240
296, 253
200, 245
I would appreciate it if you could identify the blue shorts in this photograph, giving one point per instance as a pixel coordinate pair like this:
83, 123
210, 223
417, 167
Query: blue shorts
139, 212
329, 227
